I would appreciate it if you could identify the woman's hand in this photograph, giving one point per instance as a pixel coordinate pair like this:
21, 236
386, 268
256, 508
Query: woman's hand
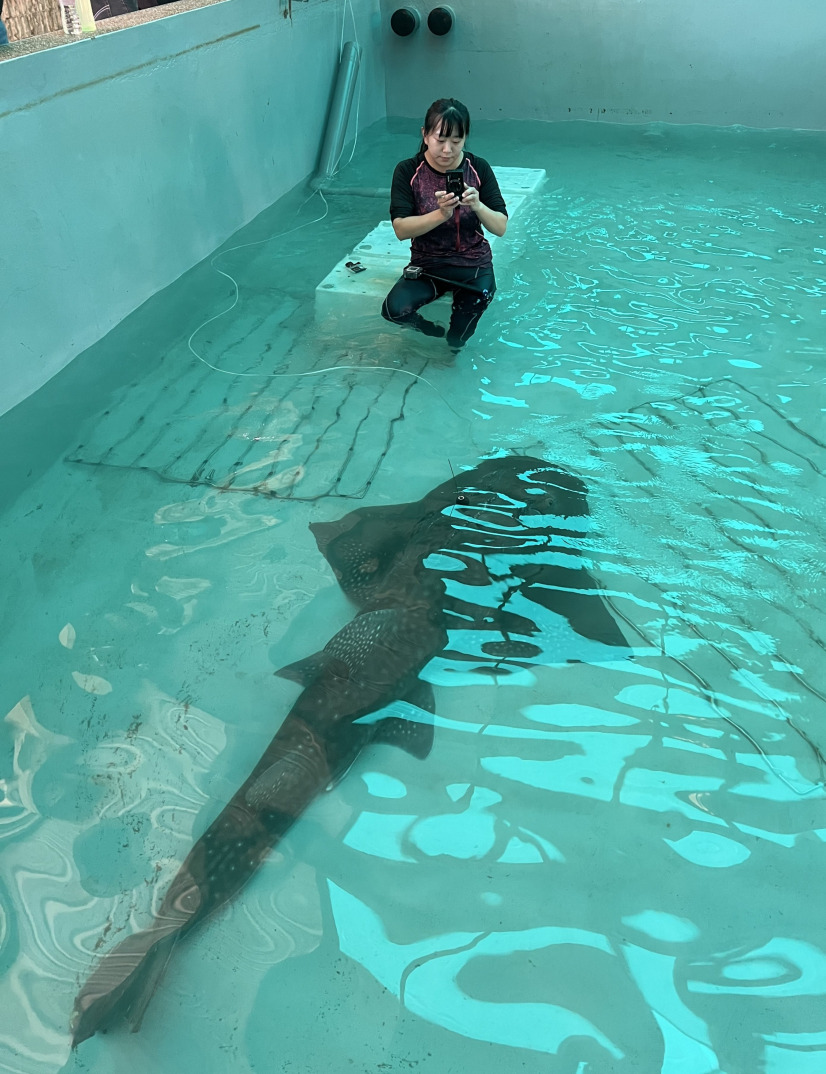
492, 221
470, 198
446, 203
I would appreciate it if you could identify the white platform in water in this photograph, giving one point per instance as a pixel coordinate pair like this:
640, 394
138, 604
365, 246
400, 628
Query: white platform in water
384, 256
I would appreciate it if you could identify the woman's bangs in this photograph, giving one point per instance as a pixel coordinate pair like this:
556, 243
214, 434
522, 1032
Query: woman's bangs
451, 127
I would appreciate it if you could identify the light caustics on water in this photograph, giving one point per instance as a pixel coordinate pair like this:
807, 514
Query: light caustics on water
604, 866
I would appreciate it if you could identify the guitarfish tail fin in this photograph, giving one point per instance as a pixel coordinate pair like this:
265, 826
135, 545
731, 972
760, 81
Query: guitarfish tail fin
123, 983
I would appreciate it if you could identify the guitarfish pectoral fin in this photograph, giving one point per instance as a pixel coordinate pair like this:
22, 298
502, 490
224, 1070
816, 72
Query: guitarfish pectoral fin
575, 595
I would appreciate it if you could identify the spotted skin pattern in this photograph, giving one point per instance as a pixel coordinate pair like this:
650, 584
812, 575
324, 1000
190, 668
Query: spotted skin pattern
494, 523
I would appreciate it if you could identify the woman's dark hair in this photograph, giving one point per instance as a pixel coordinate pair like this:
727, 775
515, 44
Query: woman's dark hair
451, 118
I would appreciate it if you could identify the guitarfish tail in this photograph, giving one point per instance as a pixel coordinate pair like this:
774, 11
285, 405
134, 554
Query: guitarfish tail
123, 983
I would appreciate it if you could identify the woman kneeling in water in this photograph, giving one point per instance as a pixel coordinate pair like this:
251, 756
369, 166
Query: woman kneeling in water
448, 247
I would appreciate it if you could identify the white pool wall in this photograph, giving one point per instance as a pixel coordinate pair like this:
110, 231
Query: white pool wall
127, 158
758, 63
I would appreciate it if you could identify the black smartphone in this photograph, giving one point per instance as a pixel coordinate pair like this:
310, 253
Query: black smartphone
455, 182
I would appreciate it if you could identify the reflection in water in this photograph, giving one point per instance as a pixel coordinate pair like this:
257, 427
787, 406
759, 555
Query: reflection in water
382, 560
604, 866
425, 977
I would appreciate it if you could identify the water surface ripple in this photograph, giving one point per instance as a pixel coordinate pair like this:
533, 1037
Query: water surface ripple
612, 859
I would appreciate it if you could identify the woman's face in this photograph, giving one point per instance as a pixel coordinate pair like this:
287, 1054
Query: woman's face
443, 152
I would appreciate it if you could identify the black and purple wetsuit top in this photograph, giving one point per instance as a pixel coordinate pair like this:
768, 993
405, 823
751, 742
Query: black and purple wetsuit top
460, 240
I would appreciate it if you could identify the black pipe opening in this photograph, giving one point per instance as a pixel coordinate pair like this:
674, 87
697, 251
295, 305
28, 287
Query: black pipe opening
404, 21
440, 21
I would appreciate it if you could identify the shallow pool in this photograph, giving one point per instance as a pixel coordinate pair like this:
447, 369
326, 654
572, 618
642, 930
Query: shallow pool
611, 860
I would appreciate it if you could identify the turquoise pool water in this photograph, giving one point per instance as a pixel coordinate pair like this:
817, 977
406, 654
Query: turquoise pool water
606, 866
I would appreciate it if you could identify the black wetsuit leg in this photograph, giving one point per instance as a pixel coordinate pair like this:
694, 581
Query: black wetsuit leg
473, 290
405, 300
469, 303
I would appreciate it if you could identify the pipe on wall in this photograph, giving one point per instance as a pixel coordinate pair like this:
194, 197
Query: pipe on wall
348, 70
354, 191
